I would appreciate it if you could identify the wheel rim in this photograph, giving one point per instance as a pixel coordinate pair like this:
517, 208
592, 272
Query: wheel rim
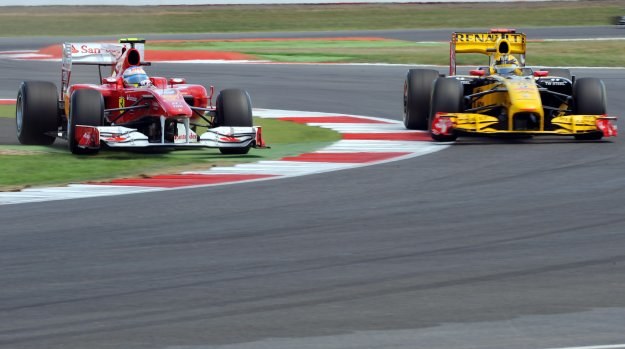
19, 116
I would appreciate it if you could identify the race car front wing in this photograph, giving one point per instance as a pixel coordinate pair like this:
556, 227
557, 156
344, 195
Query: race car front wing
568, 125
92, 137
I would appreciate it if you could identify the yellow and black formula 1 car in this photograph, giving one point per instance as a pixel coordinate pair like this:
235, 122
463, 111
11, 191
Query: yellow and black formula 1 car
506, 97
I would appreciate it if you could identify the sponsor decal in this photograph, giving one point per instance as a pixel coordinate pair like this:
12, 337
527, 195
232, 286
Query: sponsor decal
122, 102
442, 125
555, 82
183, 137
488, 37
177, 104
87, 49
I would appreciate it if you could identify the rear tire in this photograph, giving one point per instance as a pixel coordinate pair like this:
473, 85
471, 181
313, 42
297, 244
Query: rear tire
417, 94
447, 97
87, 108
37, 112
589, 98
234, 108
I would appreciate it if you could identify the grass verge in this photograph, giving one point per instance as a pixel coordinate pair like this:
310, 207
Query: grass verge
547, 53
25, 166
7, 111
102, 20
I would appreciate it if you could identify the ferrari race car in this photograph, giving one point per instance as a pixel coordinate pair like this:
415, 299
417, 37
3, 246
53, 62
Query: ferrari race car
506, 98
155, 112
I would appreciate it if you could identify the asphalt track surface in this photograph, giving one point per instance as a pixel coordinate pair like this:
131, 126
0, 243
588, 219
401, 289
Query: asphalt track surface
487, 244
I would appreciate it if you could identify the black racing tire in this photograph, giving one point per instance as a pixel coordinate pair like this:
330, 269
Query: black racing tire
234, 108
589, 98
86, 108
447, 96
417, 94
560, 72
37, 112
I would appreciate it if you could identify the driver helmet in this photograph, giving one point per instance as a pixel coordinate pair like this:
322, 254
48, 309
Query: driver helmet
506, 64
135, 77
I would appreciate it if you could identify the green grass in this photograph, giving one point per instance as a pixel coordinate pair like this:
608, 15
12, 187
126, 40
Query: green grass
595, 53
70, 20
55, 165
7, 111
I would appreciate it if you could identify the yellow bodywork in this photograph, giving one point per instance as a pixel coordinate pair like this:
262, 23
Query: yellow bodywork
487, 43
513, 94
481, 124
516, 94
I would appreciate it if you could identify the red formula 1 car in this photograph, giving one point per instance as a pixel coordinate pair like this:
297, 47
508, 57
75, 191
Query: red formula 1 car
131, 110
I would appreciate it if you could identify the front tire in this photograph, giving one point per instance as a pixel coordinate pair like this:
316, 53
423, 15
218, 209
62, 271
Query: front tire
417, 94
36, 112
589, 98
234, 108
447, 97
87, 108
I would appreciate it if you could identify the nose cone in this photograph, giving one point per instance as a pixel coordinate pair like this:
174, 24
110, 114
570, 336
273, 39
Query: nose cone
524, 97
173, 104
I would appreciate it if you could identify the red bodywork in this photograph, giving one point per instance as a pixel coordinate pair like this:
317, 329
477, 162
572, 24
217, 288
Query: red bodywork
167, 98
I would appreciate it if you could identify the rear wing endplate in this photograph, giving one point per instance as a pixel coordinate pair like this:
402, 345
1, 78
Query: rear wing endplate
486, 43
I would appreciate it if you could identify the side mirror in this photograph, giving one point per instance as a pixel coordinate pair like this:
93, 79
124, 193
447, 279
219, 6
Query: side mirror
477, 72
176, 81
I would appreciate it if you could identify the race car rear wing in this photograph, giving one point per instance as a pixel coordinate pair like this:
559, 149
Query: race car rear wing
99, 54
490, 43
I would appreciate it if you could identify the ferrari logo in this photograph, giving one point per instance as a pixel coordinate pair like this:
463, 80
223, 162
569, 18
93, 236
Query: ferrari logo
122, 102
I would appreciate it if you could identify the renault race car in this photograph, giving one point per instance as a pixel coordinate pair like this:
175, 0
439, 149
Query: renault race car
155, 113
505, 98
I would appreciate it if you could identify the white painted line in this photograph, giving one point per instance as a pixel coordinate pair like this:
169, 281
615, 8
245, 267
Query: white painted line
17, 51
278, 168
20, 56
212, 61
72, 191
277, 114
580, 39
362, 128
612, 346
385, 146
